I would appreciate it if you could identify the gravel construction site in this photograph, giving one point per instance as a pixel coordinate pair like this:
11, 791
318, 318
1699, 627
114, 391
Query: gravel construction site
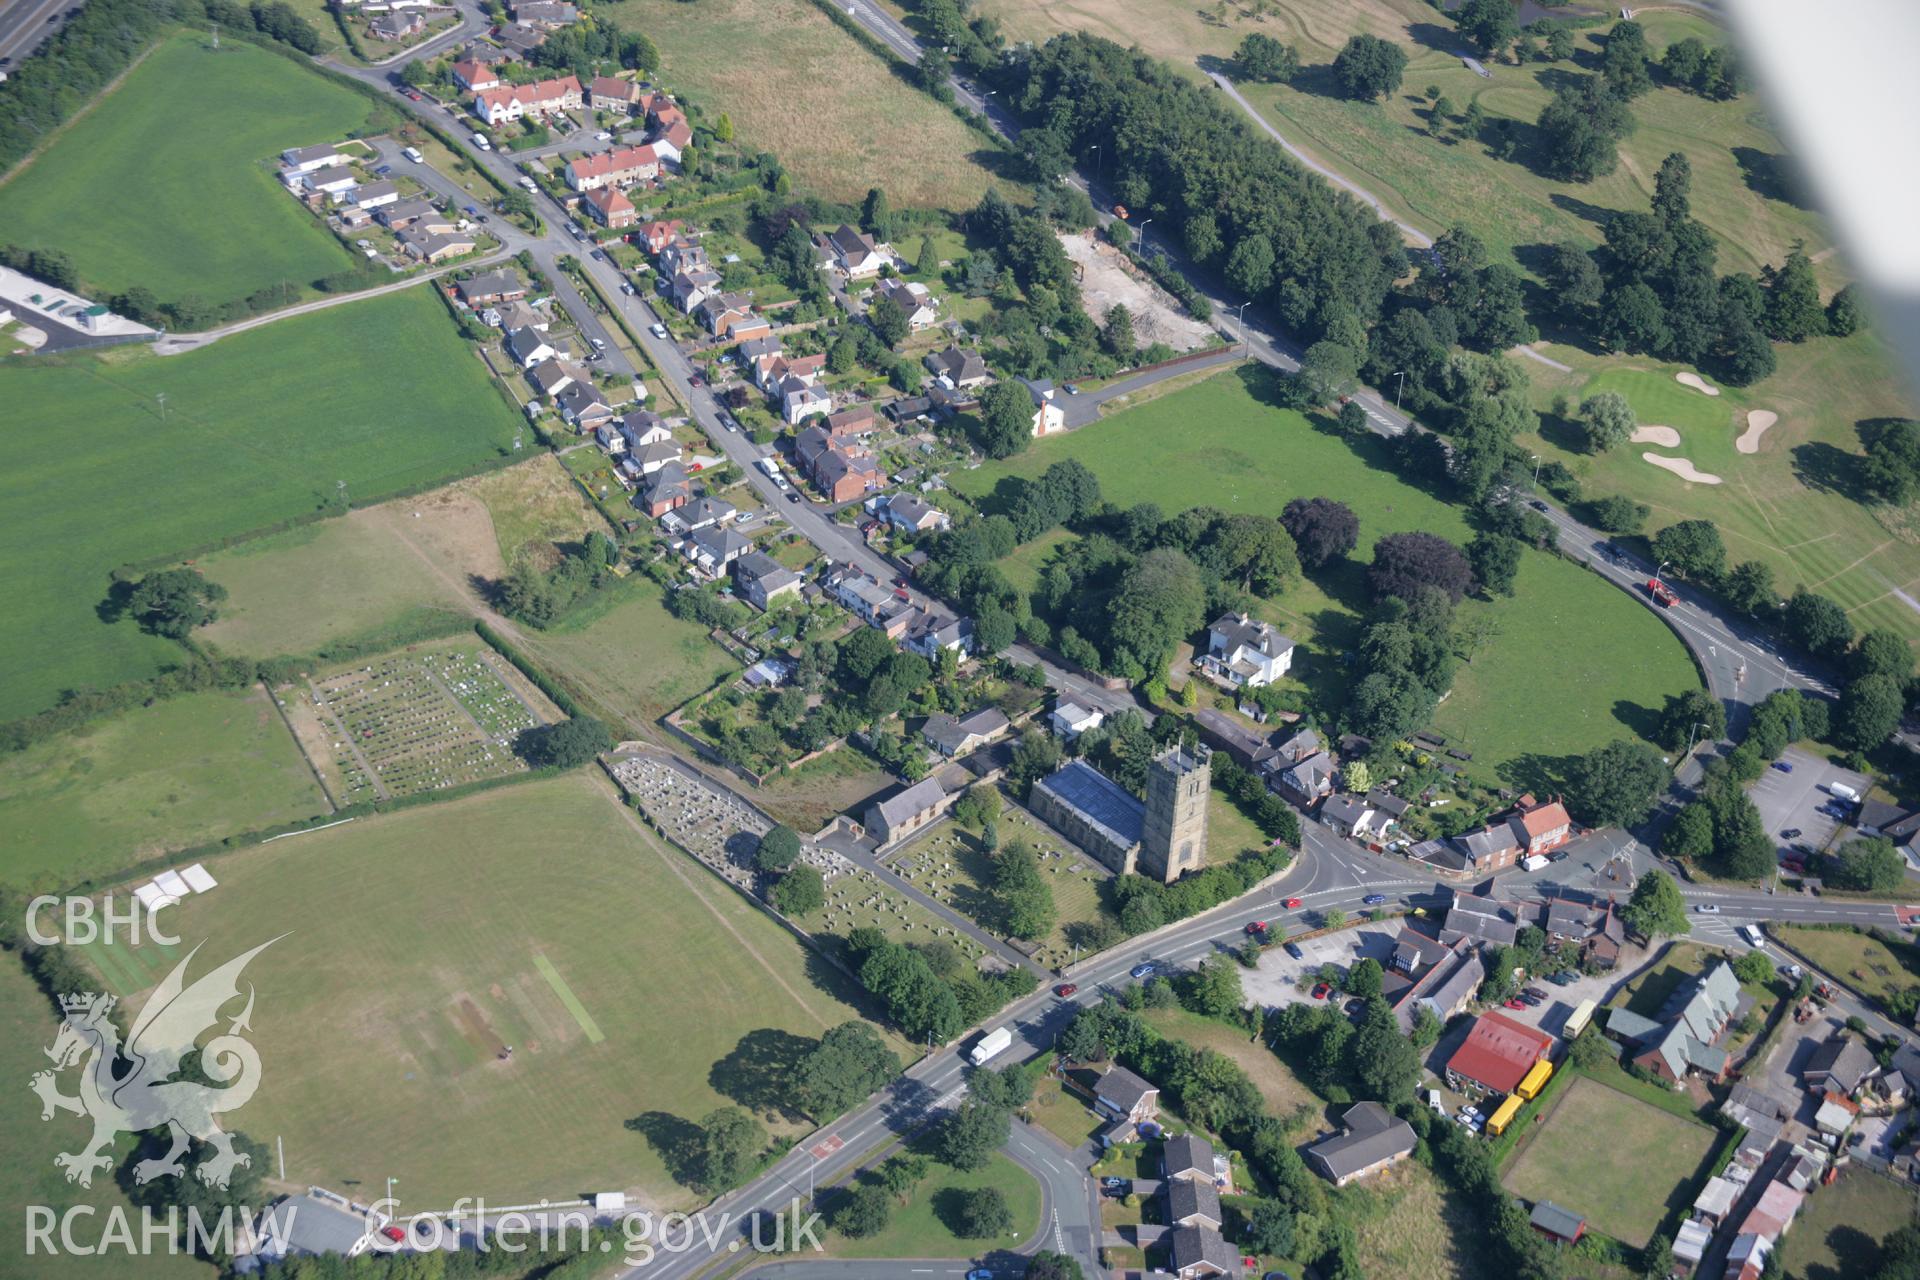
1108, 278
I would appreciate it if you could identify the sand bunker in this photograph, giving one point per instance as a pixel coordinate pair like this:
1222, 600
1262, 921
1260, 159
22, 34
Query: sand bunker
1758, 420
1665, 437
1682, 468
1695, 381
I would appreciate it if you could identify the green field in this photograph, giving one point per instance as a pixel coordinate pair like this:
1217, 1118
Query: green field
1860, 961
175, 774
1626, 1199
1791, 504
919, 1229
419, 945
168, 182
1838, 1234
1561, 639
28, 1175
375, 396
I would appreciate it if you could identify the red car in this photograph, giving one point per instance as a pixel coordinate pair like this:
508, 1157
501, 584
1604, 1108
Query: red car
1257, 926
1293, 904
1320, 990
394, 1234
693, 380
1066, 989
1516, 1003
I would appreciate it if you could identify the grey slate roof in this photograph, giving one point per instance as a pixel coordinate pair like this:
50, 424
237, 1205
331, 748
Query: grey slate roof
1188, 1153
1099, 799
1556, 1220
1843, 1060
1195, 1245
1187, 1198
1370, 1134
1122, 1089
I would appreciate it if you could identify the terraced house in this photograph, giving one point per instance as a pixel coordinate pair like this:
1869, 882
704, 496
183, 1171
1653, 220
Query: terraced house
538, 100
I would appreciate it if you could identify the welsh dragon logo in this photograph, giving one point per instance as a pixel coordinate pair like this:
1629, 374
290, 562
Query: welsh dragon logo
133, 1088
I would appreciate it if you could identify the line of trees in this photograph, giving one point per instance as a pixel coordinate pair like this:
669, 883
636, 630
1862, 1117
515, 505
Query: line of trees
928, 989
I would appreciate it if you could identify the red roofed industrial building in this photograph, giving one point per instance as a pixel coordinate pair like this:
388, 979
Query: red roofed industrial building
1496, 1055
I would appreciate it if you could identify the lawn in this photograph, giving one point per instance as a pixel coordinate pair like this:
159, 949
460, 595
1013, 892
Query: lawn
1626, 1199
1561, 639
636, 991
1861, 961
920, 1228
362, 400
808, 797
636, 660
1065, 1115
28, 1175
139, 196
1791, 505
1838, 1234
1279, 1088
836, 115
110, 794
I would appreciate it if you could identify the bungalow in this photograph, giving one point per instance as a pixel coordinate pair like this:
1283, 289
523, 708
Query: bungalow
960, 368
1201, 1251
334, 182
915, 514
517, 315
642, 427
655, 236
1371, 1138
763, 580
326, 155
375, 194
473, 76
551, 377
530, 347
416, 212
914, 300
1119, 1094
1069, 720
435, 246
610, 93
1048, 417
954, 738
552, 14
856, 254
397, 26
907, 408
610, 208
621, 167
489, 287
582, 406
701, 513
1560, 1225
1244, 652
713, 548
518, 39
849, 423
668, 489
539, 99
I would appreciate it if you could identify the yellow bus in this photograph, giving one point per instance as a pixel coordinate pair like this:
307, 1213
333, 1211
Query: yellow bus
1531, 1085
1503, 1115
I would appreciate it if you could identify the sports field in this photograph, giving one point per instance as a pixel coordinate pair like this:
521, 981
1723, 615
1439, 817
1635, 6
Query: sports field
834, 113
419, 946
365, 399
168, 181
1626, 1199
180, 772
1792, 503
1562, 638
28, 1175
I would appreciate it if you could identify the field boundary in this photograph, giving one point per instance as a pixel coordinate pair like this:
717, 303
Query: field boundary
106, 91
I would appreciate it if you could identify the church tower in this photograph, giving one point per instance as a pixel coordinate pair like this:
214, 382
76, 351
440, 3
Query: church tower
1173, 839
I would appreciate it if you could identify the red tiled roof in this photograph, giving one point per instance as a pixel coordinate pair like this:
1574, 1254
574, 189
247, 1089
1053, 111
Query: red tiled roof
1548, 817
1498, 1052
620, 160
608, 200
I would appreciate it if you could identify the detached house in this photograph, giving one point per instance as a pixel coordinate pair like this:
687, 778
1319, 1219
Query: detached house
693, 286
1371, 1138
954, 738
655, 236
914, 300
855, 254
1048, 417
473, 77
1244, 652
582, 406
530, 347
546, 13
915, 514
763, 580
1122, 1095
800, 400
668, 489
491, 286
961, 369
713, 548
327, 155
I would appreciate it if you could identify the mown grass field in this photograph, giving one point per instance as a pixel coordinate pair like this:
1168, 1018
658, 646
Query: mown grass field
920, 1228
1279, 1088
1563, 638
28, 1175
113, 793
1838, 1234
1626, 1199
631, 985
378, 396
836, 114
1862, 962
168, 182
1794, 503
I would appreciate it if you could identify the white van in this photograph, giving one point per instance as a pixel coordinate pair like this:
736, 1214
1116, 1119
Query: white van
528, 183
480, 141
413, 154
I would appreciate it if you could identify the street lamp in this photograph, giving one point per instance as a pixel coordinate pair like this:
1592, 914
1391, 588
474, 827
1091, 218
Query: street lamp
1536, 470
1143, 236
1246, 339
1697, 725
1400, 388
390, 1182
1097, 159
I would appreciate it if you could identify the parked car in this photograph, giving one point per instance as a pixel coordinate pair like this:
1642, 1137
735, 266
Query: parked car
1066, 989
599, 344
1534, 991
1321, 990
1538, 505
1142, 970
1562, 979
792, 497
1117, 1184
1373, 899
1293, 950
1532, 1002
1791, 833
1293, 904
1782, 766
1516, 1003
657, 330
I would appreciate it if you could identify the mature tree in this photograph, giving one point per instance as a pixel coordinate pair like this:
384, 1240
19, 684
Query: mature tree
1624, 60
1741, 843
1869, 865
1580, 127
799, 891
1753, 967
850, 1062
1656, 908
864, 1212
777, 849
1695, 716
1673, 190
1618, 514
1364, 978
1574, 279
1692, 548
1261, 57
1162, 598
1691, 834
731, 1141
1441, 113
971, 1133
983, 1214
1116, 334
1794, 313
1882, 652
876, 214
1616, 785
889, 323
1749, 588
1892, 468
574, 741
1047, 1265
173, 602
1025, 900
1608, 420
1268, 1228
1818, 625
1489, 24
1405, 564
1869, 711
1004, 419
1213, 988
1845, 312
1369, 68
1386, 1066
1328, 371
1254, 553
1323, 530
1495, 558
1353, 420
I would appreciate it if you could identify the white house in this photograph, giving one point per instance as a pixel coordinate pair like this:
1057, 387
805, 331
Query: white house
376, 194
1048, 417
1244, 652
335, 181
914, 300
1069, 720
856, 254
530, 347
800, 400
307, 159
